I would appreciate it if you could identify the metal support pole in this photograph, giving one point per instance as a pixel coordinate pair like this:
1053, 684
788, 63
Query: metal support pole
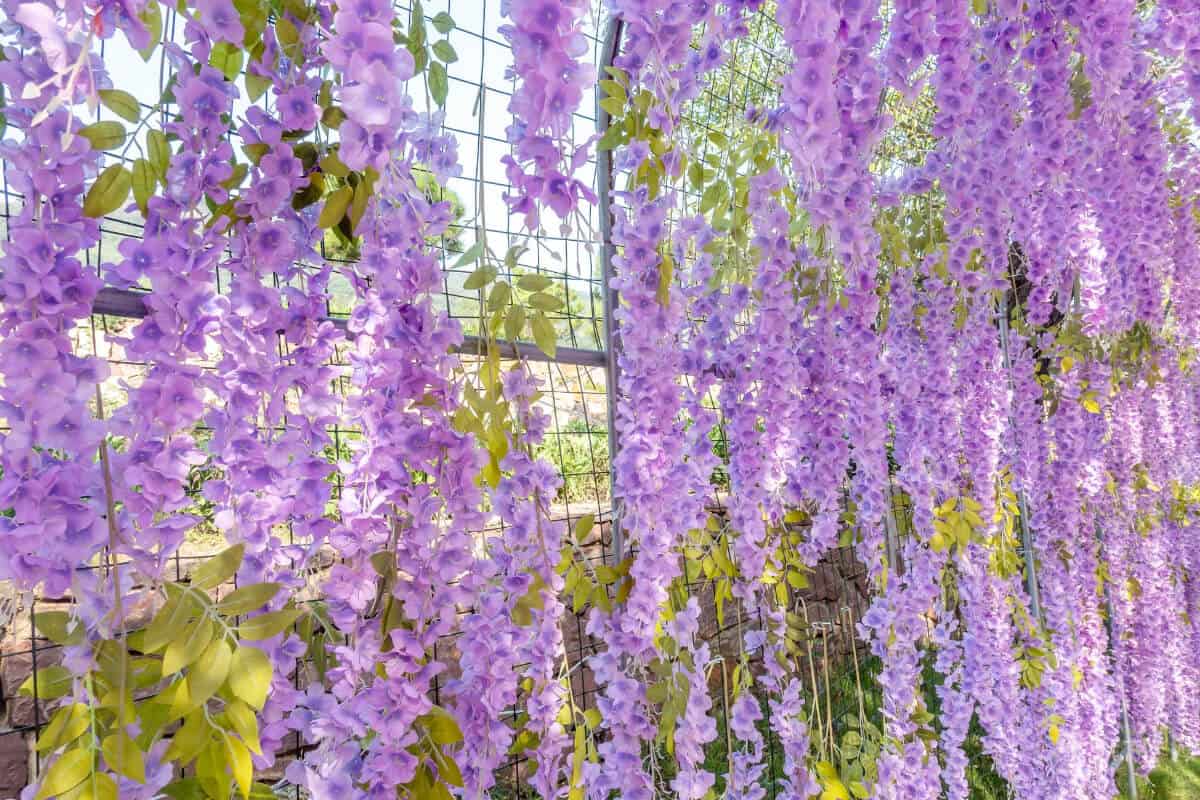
1031, 583
892, 537
1126, 728
612, 338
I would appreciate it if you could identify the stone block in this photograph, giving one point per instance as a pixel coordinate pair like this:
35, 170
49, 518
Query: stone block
14, 763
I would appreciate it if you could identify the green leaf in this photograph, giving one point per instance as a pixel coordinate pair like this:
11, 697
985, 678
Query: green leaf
151, 17
439, 83
219, 568
614, 136
514, 322
443, 23
535, 283
583, 526
52, 683
256, 86
67, 772
445, 51
59, 627
500, 295
331, 164
335, 207
545, 302
188, 645
121, 103
479, 278
209, 672
106, 135
513, 255
249, 598
108, 193
267, 625
124, 757
544, 334
286, 32
227, 59
472, 254
358, 207
143, 181
158, 152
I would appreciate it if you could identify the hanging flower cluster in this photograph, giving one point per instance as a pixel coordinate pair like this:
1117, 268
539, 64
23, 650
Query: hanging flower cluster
941, 282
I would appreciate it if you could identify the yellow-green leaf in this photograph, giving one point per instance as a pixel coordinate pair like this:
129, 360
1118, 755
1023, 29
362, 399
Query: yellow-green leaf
544, 334
285, 31
124, 757
227, 59
445, 51
67, 772
151, 16
443, 729
500, 295
158, 153
250, 675
52, 683
249, 598
180, 607
267, 625
59, 627
238, 756
545, 302
106, 135
535, 283
98, 786
331, 164
219, 568
191, 738
613, 89
143, 181
67, 724
583, 526
335, 207
479, 278
514, 322
209, 672
244, 722
108, 193
613, 105
256, 86
439, 83
188, 645
121, 103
